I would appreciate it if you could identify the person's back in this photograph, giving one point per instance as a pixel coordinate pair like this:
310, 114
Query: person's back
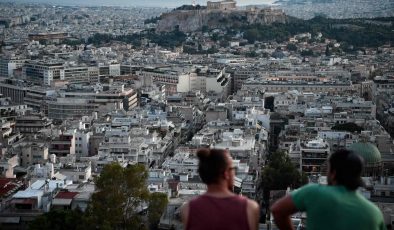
335, 207
219, 207
208, 212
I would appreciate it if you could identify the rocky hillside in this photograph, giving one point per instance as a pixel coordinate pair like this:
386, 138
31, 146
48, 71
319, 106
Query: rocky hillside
192, 20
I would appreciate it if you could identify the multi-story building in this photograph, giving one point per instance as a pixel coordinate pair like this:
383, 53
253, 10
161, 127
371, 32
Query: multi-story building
284, 101
182, 162
75, 102
49, 72
8, 136
82, 138
189, 79
112, 69
312, 155
78, 172
7, 165
335, 87
382, 86
241, 146
357, 107
64, 108
36, 97
241, 74
337, 139
32, 123
31, 152
14, 89
42, 73
80, 74
64, 144
8, 66
119, 145
10, 111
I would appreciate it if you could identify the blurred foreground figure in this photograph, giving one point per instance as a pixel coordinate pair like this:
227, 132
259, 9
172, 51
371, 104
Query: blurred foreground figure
219, 207
336, 206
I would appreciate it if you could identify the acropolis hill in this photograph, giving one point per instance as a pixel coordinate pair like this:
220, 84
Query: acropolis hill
218, 15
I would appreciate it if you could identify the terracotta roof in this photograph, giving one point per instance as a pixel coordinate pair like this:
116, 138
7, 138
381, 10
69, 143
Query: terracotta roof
66, 195
7, 185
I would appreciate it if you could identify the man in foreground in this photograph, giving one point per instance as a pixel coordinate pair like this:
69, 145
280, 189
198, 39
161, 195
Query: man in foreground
219, 207
336, 206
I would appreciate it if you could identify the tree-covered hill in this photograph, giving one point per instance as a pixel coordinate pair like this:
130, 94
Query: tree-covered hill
355, 32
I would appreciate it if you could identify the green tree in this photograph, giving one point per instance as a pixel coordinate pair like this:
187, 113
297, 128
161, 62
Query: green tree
328, 51
350, 127
120, 202
291, 47
59, 220
281, 173
120, 197
306, 52
157, 204
278, 174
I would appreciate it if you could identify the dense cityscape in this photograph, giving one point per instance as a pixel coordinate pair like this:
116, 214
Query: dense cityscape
102, 108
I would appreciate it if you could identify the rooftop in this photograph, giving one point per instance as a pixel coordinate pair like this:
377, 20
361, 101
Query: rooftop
66, 195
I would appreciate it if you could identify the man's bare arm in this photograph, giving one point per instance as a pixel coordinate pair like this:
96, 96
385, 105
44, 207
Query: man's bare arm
282, 210
253, 212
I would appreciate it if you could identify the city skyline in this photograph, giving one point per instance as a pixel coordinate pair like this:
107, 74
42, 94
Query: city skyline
138, 3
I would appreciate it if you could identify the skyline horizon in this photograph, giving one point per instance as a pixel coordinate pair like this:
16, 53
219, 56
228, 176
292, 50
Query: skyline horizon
135, 3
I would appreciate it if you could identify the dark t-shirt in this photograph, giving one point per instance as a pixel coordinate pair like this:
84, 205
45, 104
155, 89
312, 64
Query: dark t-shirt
212, 213
335, 207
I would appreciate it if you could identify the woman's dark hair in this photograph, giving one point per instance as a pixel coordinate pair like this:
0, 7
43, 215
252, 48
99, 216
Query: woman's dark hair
212, 164
348, 167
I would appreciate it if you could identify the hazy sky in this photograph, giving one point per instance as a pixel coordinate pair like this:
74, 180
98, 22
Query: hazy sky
149, 3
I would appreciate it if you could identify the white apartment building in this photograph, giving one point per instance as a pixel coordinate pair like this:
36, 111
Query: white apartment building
250, 116
284, 101
334, 87
183, 162
77, 173
79, 101
357, 107
337, 139
189, 79
48, 72
8, 65
31, 153
241, 146
43, 73
119, 144
82, 138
